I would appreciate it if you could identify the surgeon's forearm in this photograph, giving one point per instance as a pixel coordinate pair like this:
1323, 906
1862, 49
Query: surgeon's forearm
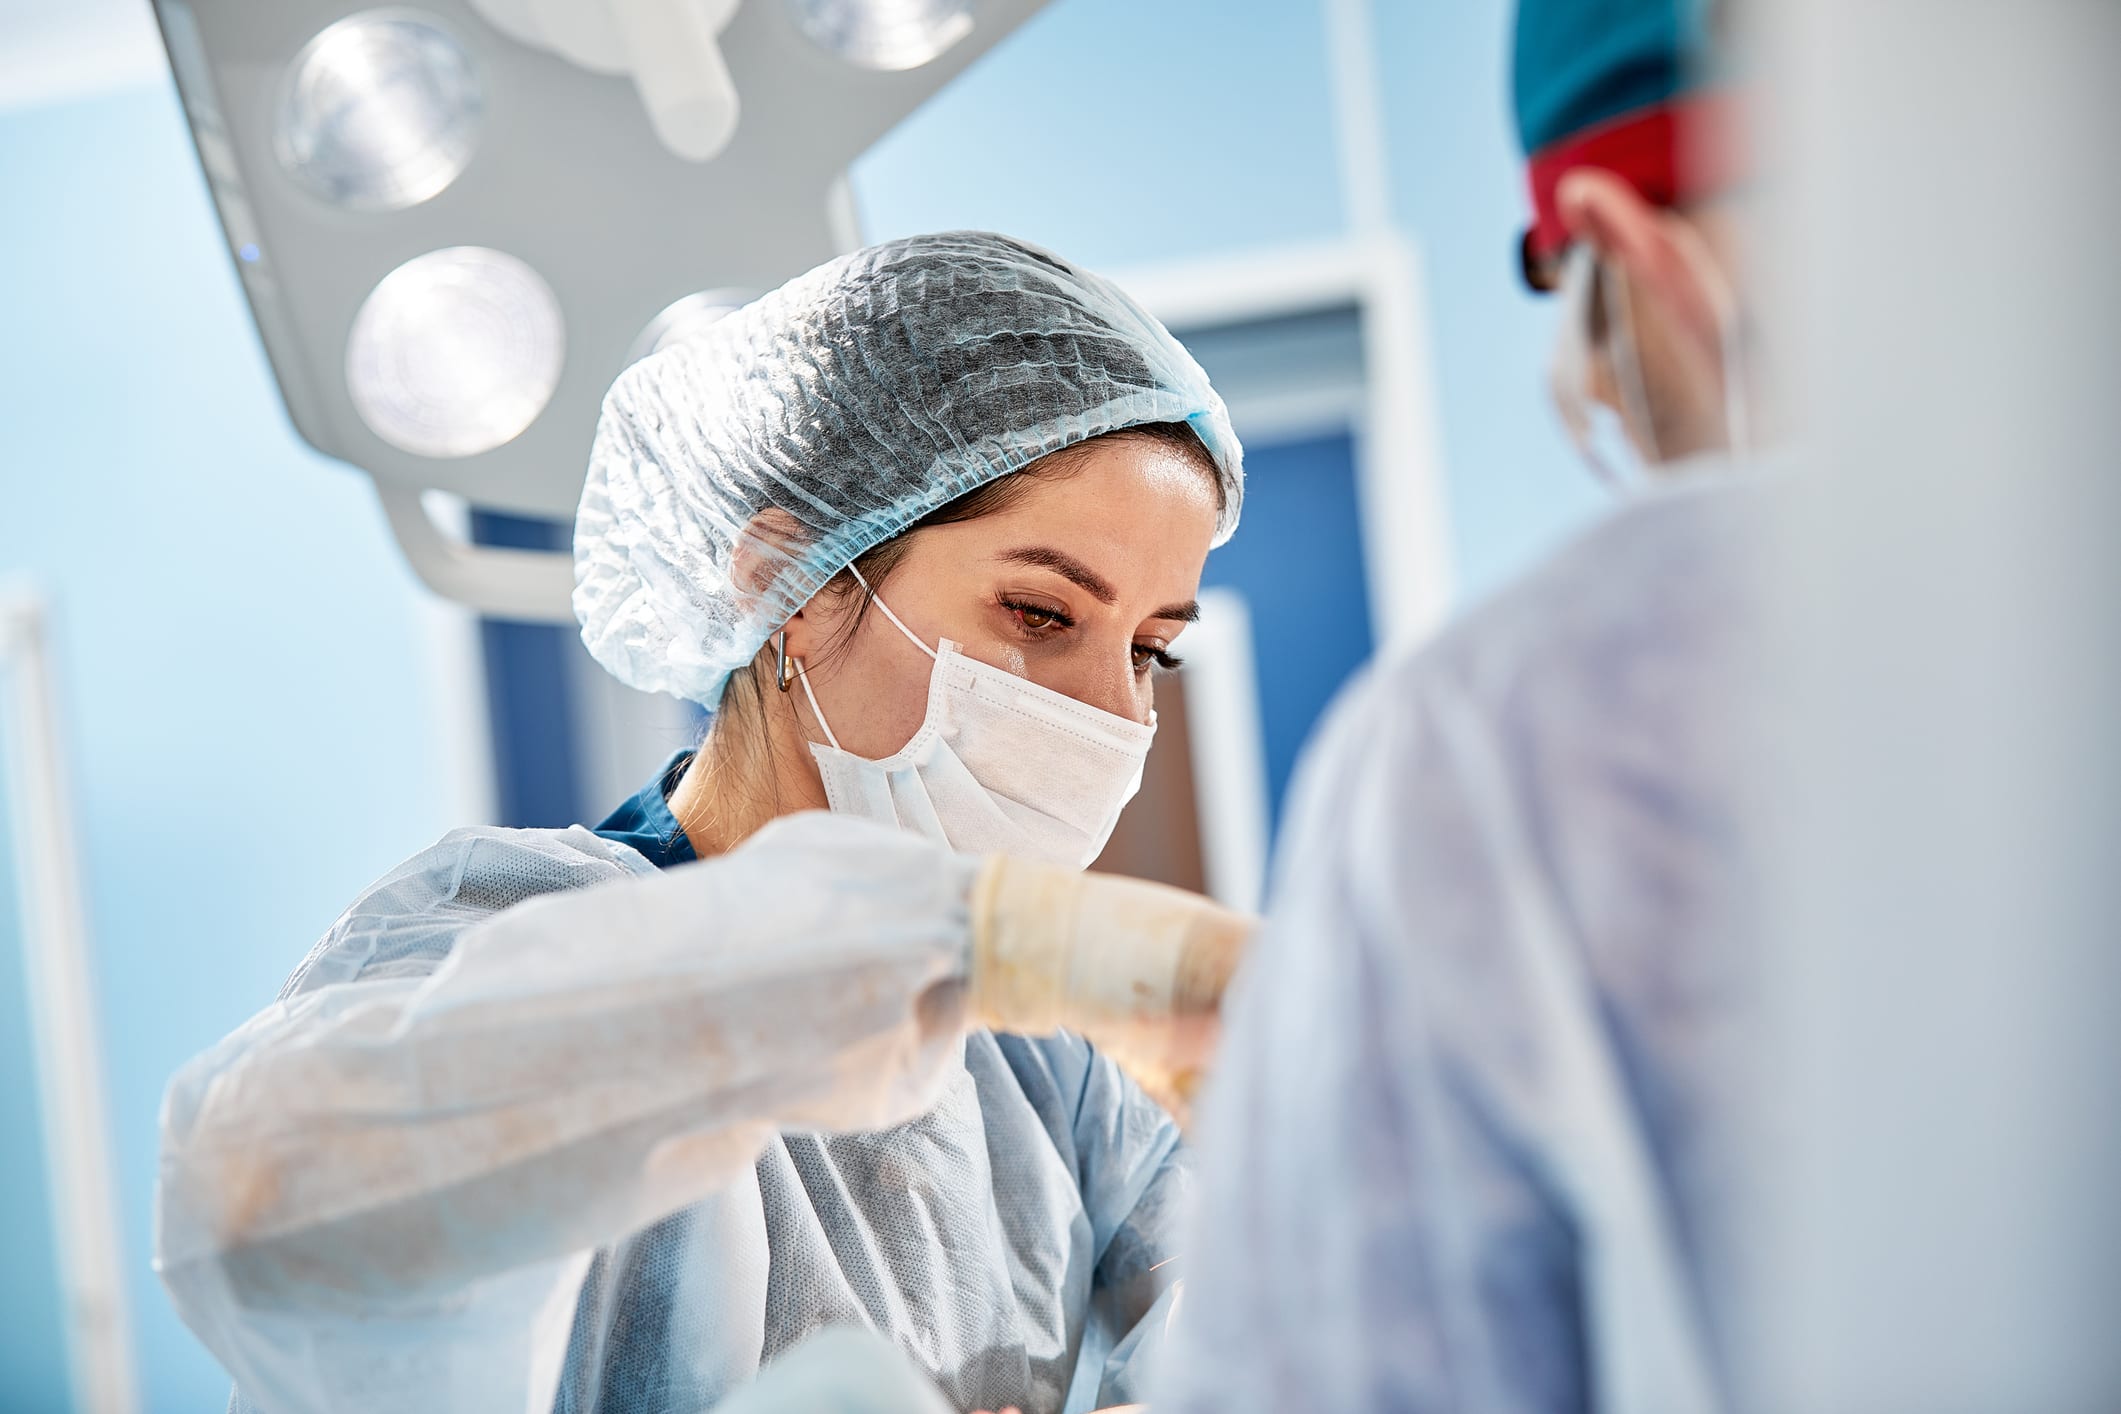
582, 1065
588, 1062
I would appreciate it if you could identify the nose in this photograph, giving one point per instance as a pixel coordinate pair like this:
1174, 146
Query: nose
1112, 685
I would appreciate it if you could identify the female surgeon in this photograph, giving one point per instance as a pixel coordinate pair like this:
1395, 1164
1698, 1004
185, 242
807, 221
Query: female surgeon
603, 1120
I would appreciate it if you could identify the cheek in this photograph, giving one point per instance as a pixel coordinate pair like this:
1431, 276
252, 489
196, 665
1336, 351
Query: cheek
1672, 370
875, 696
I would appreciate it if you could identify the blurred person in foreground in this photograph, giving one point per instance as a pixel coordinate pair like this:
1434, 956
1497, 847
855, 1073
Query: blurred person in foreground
1467, 1149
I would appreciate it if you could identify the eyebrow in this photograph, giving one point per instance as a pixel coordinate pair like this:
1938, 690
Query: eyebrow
1067, 567
1089, 580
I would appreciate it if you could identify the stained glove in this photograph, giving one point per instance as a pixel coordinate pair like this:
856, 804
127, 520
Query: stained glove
1139, 969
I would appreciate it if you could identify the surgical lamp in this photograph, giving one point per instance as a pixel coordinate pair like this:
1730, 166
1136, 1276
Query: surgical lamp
456, 220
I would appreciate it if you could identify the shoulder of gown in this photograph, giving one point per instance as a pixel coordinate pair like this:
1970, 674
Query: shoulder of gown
404, 924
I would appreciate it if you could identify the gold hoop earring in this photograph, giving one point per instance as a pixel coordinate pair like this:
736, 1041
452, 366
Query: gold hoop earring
783, 666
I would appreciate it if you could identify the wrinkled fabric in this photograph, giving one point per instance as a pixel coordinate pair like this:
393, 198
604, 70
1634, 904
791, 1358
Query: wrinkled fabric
1464, 1151
998, 765
845, 1370
515, 1137
852, 401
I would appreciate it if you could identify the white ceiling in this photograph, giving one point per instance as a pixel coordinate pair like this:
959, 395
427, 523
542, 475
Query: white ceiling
54, 50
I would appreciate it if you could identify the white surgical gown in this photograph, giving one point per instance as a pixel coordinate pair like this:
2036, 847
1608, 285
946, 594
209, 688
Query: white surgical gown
1465, 1148
536, 1125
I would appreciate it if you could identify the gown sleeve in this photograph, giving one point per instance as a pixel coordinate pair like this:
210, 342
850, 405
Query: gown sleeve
383, 1190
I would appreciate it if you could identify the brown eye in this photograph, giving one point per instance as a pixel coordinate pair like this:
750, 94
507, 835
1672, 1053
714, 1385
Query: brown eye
1036, 620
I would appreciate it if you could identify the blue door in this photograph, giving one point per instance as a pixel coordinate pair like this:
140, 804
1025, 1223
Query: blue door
1297, 560
536, 781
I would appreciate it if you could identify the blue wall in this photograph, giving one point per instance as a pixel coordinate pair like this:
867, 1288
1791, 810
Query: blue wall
1457, 181
253, 729
240, 650
1125, 132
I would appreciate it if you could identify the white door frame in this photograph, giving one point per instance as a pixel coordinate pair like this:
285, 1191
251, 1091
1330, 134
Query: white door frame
1398, 461
63, 1032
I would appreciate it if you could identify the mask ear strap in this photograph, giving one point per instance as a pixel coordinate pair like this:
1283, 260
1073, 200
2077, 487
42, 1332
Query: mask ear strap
1571, 371
802, 674
1626, 358
899, 623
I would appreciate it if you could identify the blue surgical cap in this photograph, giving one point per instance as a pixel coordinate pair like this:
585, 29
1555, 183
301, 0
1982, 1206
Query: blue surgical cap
855, 400
1579, 63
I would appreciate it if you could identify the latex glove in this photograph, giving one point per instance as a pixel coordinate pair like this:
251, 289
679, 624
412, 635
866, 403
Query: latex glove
1139, 969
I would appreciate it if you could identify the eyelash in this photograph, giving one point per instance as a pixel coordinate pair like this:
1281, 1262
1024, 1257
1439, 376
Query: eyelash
1162, 659
1055, 619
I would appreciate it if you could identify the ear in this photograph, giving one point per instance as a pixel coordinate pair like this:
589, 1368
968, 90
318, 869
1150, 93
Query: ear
1647, 245
768, 541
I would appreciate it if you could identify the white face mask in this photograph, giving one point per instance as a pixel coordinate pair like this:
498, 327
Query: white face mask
999, 766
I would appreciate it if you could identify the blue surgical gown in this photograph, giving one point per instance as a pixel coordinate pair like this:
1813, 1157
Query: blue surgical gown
1013, 1240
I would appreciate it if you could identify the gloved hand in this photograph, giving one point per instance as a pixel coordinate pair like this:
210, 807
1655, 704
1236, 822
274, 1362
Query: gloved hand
1139, 969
